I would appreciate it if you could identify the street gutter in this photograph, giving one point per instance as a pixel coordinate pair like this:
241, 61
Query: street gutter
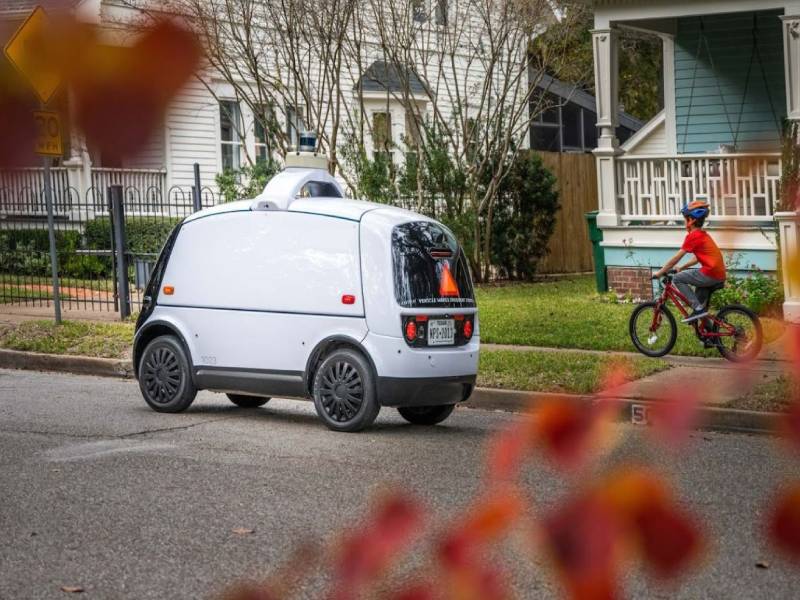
634, 411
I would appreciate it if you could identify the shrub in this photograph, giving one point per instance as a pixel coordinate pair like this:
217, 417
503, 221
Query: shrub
27, 251
145, 235
758, 291
255, 178
524, 217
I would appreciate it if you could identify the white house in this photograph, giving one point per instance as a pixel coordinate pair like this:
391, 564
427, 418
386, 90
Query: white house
206, 123
731, 78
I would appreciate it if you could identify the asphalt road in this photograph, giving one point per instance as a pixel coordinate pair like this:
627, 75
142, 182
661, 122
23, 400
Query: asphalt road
98, 491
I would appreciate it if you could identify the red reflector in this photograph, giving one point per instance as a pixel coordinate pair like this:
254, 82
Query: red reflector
459, 317
468, 329
411, 331
447, 285
422, 318
348, 299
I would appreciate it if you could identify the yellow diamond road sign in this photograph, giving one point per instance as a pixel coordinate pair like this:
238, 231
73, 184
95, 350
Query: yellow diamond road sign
48, 129
25, 50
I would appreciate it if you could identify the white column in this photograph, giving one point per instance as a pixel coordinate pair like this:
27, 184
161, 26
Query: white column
791, 50
789, 222
670, 111
606, 81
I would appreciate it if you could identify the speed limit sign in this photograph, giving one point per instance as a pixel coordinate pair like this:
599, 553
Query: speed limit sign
48, 133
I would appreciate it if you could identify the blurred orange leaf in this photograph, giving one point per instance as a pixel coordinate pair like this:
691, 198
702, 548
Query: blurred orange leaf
395, 522
784, 522
488, 519
676, 416
582, 537
567, 431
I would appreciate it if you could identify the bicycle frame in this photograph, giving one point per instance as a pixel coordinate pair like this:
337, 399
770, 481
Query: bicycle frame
672, 293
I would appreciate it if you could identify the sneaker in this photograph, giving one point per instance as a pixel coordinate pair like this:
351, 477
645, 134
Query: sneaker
698, 313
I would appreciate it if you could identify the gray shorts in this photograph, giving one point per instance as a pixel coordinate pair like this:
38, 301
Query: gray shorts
701, 282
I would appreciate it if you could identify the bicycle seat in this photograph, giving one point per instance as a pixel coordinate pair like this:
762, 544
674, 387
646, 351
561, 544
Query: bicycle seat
716, 286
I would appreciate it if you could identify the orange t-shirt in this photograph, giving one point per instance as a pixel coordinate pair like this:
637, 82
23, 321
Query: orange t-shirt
699, 243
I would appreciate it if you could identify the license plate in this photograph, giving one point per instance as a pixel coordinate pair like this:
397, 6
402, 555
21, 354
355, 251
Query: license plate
441, 332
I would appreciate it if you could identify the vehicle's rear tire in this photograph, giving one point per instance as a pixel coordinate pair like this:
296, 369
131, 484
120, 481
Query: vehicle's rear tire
245, 401
426, 415
741, 317
344, 391
165, 375
639, 325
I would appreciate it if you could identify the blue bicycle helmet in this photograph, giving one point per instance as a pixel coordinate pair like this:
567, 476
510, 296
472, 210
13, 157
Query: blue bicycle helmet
696, 210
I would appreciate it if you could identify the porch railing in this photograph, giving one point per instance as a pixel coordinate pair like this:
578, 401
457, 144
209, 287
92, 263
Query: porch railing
739, 187
145, 190
22, 191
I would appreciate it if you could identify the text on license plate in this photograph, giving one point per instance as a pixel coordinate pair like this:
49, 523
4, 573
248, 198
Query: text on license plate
441, 332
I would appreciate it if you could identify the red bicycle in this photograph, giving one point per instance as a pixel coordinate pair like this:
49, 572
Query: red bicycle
735, 331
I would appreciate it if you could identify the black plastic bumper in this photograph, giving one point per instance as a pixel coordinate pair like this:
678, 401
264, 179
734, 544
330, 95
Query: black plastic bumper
402, 391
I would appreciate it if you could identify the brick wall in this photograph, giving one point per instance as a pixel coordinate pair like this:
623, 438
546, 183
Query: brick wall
633, 281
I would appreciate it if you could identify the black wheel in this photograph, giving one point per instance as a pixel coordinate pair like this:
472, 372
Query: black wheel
653, 342
746, 343
246, 401
426, 415
165, 376
344, 391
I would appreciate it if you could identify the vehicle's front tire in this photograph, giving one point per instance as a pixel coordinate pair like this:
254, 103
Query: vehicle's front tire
426, 415
165, 375
344, 391
245, 401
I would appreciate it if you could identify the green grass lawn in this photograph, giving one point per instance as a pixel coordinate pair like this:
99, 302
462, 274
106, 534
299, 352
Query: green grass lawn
566, 313
106, 340
542, 371
773, 396
535, 371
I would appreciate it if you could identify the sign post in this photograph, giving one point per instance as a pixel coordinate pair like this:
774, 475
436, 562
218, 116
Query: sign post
24, 51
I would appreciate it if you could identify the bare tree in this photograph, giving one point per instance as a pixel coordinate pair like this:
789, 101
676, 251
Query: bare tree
472, 58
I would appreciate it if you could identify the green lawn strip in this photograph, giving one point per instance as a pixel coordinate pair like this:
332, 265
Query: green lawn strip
568, 313
569, 372
544, 371
774, 395
106, 340
12, 279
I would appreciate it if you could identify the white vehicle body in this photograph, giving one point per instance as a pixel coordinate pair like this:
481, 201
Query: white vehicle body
258, 291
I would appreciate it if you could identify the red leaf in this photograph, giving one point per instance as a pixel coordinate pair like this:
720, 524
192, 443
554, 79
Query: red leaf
567, 431
364, 554
507, 451
489, 518
784, 523
582, 537
675, 417
669, 538
121, 94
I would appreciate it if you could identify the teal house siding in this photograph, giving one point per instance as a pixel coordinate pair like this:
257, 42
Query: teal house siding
716, 101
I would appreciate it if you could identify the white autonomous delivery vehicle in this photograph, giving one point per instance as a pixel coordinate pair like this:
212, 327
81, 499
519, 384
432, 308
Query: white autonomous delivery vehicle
301, 292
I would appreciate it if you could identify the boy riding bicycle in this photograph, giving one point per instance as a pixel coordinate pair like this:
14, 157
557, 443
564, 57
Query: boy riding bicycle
706, 252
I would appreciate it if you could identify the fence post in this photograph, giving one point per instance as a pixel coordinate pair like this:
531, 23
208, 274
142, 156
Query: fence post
196, 188
121, 247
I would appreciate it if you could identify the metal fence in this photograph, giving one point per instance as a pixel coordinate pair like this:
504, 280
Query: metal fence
84, 236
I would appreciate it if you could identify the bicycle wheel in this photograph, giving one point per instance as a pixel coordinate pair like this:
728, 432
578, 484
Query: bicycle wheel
747, 338
653, 329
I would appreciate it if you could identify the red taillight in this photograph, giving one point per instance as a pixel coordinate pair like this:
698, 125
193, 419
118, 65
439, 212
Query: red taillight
468, 329
411, 331
348, 299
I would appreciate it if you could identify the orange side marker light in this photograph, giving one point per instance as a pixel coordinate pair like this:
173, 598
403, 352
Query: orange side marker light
169, 290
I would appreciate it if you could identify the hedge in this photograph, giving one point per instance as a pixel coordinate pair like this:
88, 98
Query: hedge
27, 251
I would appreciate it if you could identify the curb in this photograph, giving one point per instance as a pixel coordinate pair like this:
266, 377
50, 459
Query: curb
78, 365
636, 412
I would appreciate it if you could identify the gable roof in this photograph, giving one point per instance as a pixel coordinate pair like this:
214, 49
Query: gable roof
382, 76
570, 92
